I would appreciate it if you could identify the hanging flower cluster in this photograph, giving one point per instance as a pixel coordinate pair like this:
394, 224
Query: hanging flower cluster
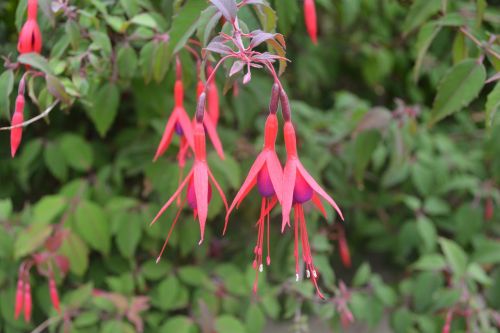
290, 186
30, 40
47, 263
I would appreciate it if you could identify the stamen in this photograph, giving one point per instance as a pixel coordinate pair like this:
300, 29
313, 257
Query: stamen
261, 268
171, 229
297, 277
308, 274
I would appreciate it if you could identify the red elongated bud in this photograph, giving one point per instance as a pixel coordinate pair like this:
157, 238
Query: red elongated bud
488, 209
53, 294
311, 20
290, 140
27, 301
270, 131
345, 254
19, 298
213, 102
200, 87
179, 93
16, 134
447, 324
30, 38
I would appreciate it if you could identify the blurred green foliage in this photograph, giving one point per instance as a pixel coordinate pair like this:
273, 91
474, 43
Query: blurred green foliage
417, 192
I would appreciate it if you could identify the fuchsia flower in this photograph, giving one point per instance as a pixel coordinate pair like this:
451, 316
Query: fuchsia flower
300, 187
16, 134
30, 38
266, 172
311, 20
199, 191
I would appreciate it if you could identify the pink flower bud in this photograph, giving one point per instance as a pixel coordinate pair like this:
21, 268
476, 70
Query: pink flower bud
19, 298
53, 294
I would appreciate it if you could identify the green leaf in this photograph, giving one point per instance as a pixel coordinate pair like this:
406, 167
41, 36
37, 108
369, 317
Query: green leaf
183, 25
458, 88
178, 324
427, 232
101, 42
455, 255
128, 236
5, 208
420, 11
229, 324
255, 319
92, 224
145, 20
35, 60
127, 61
48, 208
288, 12
131, 7
477, 273
6, 87
77, 152
77, 252
55, 161
365, 145
193, 276
56, 89
486, 251
424, 40
362, 275
430, 262
160, 61
104, 108
492, 105
30, 239
146, 60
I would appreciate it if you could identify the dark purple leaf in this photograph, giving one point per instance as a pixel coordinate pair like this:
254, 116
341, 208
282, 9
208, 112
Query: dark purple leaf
227, 8
237, 66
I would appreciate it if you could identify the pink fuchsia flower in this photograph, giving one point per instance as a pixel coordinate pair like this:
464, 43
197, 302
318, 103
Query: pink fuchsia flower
266, 172
311, 20
300, 187
16, 133
30, 38
199, 192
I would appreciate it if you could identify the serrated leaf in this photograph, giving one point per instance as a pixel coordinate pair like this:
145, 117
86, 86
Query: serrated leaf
455, 255
92, 224
419, 12
184, 24
55, 161
492, 105
104, 107
77, 152
424, 40
35, 60
458, 88
6, 87
30, 239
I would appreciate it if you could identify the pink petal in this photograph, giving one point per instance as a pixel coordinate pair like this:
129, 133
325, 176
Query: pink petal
167, 135
173, 197
219, 189
245, 193
201, 191
317, 202
310, 180
247, 185
186, 124
275, 172
214, 137
288, 186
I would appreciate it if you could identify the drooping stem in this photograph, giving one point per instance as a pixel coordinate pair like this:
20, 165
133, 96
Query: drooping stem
32, 120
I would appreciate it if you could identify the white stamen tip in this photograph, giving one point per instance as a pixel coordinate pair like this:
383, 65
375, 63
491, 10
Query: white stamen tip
308, 274
297, 277
158, 259
315, 274
261, 268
